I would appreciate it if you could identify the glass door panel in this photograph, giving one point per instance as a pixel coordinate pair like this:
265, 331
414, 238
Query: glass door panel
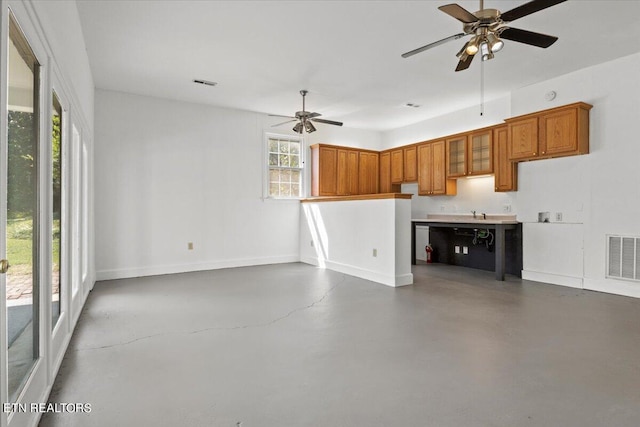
481, 153
457, 150
56, 226
22, 211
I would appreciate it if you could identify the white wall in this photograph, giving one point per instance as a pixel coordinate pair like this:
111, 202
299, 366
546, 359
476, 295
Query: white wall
342, 236
169, 173
61, 23
495, 112
599, 192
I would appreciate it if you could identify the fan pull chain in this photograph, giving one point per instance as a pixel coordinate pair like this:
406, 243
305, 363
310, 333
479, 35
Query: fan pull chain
482, 75
482, 88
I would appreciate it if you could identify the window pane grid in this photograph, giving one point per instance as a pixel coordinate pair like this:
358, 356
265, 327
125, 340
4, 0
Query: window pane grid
285, 172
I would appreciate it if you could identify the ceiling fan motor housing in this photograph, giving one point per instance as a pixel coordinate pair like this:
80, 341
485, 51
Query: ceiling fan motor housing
487, 19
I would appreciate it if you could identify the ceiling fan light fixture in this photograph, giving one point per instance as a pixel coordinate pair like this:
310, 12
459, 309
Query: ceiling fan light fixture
472, 46
494, 42
309, 127
298, 128
485, 51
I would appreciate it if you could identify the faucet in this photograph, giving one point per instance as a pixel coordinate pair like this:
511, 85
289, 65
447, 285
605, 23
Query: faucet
474, 214
484, 215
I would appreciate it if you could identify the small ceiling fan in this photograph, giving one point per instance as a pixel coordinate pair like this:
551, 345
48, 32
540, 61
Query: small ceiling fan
487, 28
304, 118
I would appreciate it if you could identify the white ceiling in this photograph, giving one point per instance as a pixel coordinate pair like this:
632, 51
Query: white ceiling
346, 53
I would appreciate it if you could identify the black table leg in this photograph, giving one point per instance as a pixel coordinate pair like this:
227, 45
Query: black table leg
500, 252
413, 243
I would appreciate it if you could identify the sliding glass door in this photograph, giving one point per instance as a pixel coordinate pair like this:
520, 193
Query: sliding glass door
42, 224
21, 226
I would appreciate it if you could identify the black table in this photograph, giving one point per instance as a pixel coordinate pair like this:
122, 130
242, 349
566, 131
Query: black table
499, 227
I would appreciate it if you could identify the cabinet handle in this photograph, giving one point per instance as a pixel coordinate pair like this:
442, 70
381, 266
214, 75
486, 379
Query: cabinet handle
543, 152
534, 153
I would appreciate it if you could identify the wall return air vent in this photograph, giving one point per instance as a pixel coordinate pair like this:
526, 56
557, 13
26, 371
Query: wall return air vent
623, 257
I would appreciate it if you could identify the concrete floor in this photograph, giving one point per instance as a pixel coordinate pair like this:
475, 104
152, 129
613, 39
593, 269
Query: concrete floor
292, 345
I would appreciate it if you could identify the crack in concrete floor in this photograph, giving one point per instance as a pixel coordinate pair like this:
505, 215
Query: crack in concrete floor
215, 328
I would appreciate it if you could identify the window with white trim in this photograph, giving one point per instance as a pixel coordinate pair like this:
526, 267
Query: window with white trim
285, 167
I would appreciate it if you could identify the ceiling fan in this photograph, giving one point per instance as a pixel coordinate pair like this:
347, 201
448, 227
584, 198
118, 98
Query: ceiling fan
487, 28
304, 118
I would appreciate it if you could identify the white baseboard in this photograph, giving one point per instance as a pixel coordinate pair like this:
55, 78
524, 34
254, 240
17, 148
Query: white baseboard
613, 286
374, 276
553, 279
187, 268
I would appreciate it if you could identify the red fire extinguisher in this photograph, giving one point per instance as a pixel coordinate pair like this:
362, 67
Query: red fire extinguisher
429, 250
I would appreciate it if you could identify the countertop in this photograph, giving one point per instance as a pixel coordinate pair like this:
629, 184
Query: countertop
468, 219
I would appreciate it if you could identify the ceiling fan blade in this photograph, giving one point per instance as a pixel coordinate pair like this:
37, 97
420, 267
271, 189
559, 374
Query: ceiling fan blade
434, 44
284, 123
278, 115
312, 115
458, 12
464, 63
528, 8
329, 122
527, 37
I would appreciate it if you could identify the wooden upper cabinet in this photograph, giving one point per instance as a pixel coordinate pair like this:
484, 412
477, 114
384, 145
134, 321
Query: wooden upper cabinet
425, 169
561, 131
385, 172
441, 185
410, 164
432, 178
342, 181
565, 131
324, 176
368, 179
397, 166
506, 171
435, 165
480, 155
456, 150
523, 138
334, 171
353, 159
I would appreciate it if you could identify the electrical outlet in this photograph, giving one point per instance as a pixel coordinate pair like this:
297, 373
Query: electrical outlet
559, 216
457, 249
190, 246
465, 250
375, 252
506, 208
442, 208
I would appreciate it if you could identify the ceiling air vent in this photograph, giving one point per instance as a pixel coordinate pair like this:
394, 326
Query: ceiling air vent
623, 257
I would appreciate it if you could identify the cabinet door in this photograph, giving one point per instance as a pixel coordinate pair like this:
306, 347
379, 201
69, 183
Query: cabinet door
385, 172
397, 169
456, 156
328, 171
506, 171
343, 173
559, 132
353, 160
425, 169
410, 165
480, 153
438, 167
368, 173
523, 139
